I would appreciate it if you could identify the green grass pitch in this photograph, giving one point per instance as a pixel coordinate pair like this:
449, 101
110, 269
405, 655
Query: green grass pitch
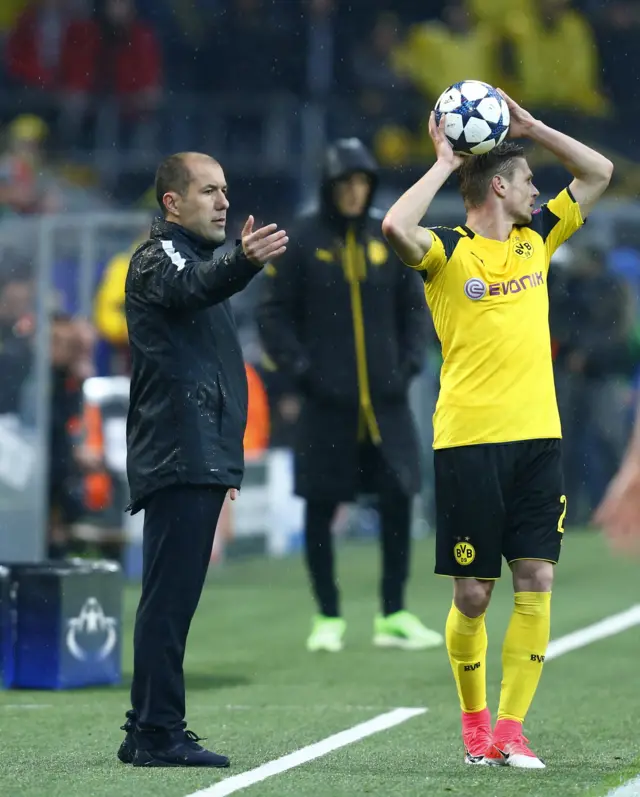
257, 694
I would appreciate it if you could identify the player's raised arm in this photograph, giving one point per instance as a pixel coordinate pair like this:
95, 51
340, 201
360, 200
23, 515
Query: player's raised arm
401, 225
591, 170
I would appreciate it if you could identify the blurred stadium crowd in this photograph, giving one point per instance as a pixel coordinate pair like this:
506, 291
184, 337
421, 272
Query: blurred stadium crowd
118, 81
92, 94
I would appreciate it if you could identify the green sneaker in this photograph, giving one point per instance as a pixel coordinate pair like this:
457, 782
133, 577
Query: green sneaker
404, 630
326, 634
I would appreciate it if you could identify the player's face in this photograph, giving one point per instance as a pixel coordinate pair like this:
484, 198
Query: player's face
521, 193
352, 194
203, 209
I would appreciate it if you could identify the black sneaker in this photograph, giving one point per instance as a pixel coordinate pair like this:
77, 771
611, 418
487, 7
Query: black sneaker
128, 747
185, 752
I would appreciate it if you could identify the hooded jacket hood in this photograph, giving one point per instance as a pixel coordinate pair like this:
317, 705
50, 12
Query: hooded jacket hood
344, 157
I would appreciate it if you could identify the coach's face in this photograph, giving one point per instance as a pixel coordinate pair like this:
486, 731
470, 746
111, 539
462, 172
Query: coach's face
203, 209
521, 193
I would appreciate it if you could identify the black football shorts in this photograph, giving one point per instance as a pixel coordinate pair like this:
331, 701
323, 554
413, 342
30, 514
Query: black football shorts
498, 500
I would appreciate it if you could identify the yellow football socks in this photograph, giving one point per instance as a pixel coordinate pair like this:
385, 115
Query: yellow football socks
467, 648
523, 653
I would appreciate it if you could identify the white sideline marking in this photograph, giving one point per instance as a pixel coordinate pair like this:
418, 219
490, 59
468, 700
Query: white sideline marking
380, 723
232, 707
285, 707
629, 789
610, 626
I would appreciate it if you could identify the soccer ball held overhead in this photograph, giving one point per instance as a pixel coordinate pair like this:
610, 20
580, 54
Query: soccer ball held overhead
476, 117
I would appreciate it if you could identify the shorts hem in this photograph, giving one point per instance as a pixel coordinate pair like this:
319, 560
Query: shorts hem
467, 578
532, 559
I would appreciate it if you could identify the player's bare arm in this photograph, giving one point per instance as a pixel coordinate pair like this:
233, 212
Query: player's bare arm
401, 225
619, 511
591, 170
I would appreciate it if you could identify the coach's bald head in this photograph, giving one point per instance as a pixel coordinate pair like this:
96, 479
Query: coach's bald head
191, 191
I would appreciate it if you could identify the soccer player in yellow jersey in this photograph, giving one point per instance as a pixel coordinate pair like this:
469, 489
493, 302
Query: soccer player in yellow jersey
498, 473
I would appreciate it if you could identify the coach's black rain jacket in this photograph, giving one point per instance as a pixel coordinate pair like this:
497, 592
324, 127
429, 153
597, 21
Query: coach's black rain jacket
188, 408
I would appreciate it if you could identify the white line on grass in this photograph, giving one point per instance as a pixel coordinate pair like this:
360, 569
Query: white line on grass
380, 723
231, 707
285, 707
629, 789
610, 626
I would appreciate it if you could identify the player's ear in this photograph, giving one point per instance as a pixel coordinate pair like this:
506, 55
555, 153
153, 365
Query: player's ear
499, 185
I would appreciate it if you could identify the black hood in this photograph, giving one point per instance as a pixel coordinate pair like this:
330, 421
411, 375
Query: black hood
342, 158
161, 228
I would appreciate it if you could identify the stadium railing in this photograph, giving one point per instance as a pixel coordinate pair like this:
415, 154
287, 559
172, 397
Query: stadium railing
256, 135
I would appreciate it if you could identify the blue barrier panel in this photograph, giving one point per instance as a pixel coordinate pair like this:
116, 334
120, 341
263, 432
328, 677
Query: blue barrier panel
6, 629
67, 620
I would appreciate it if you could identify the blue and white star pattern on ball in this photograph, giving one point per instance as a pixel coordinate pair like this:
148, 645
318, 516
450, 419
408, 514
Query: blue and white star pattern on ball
476, 117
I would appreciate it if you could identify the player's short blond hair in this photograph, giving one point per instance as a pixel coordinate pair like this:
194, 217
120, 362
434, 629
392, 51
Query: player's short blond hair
477, 171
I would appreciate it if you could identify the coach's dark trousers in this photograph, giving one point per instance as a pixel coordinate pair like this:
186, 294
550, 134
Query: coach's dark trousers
179, 528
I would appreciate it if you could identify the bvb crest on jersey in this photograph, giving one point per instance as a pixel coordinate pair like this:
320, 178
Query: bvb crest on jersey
464, 553
523, 248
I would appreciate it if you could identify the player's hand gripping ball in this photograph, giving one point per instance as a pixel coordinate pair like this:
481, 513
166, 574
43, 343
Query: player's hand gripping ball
476, 117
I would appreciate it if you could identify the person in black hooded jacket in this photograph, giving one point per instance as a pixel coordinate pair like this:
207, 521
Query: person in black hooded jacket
185, 428
343, 319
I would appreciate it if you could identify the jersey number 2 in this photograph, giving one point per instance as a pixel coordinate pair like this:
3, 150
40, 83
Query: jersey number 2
563, 501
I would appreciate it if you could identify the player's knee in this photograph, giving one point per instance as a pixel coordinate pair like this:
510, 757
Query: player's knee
532, 576
472, 597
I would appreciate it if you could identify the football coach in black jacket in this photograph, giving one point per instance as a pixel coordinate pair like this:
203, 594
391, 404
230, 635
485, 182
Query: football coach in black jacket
185, 429
347, 322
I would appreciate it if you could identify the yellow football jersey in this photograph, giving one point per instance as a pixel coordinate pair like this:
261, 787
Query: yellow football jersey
490, 309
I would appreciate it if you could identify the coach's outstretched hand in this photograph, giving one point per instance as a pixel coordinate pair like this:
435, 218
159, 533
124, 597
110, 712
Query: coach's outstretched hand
521, 121
264, 244
444, 150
